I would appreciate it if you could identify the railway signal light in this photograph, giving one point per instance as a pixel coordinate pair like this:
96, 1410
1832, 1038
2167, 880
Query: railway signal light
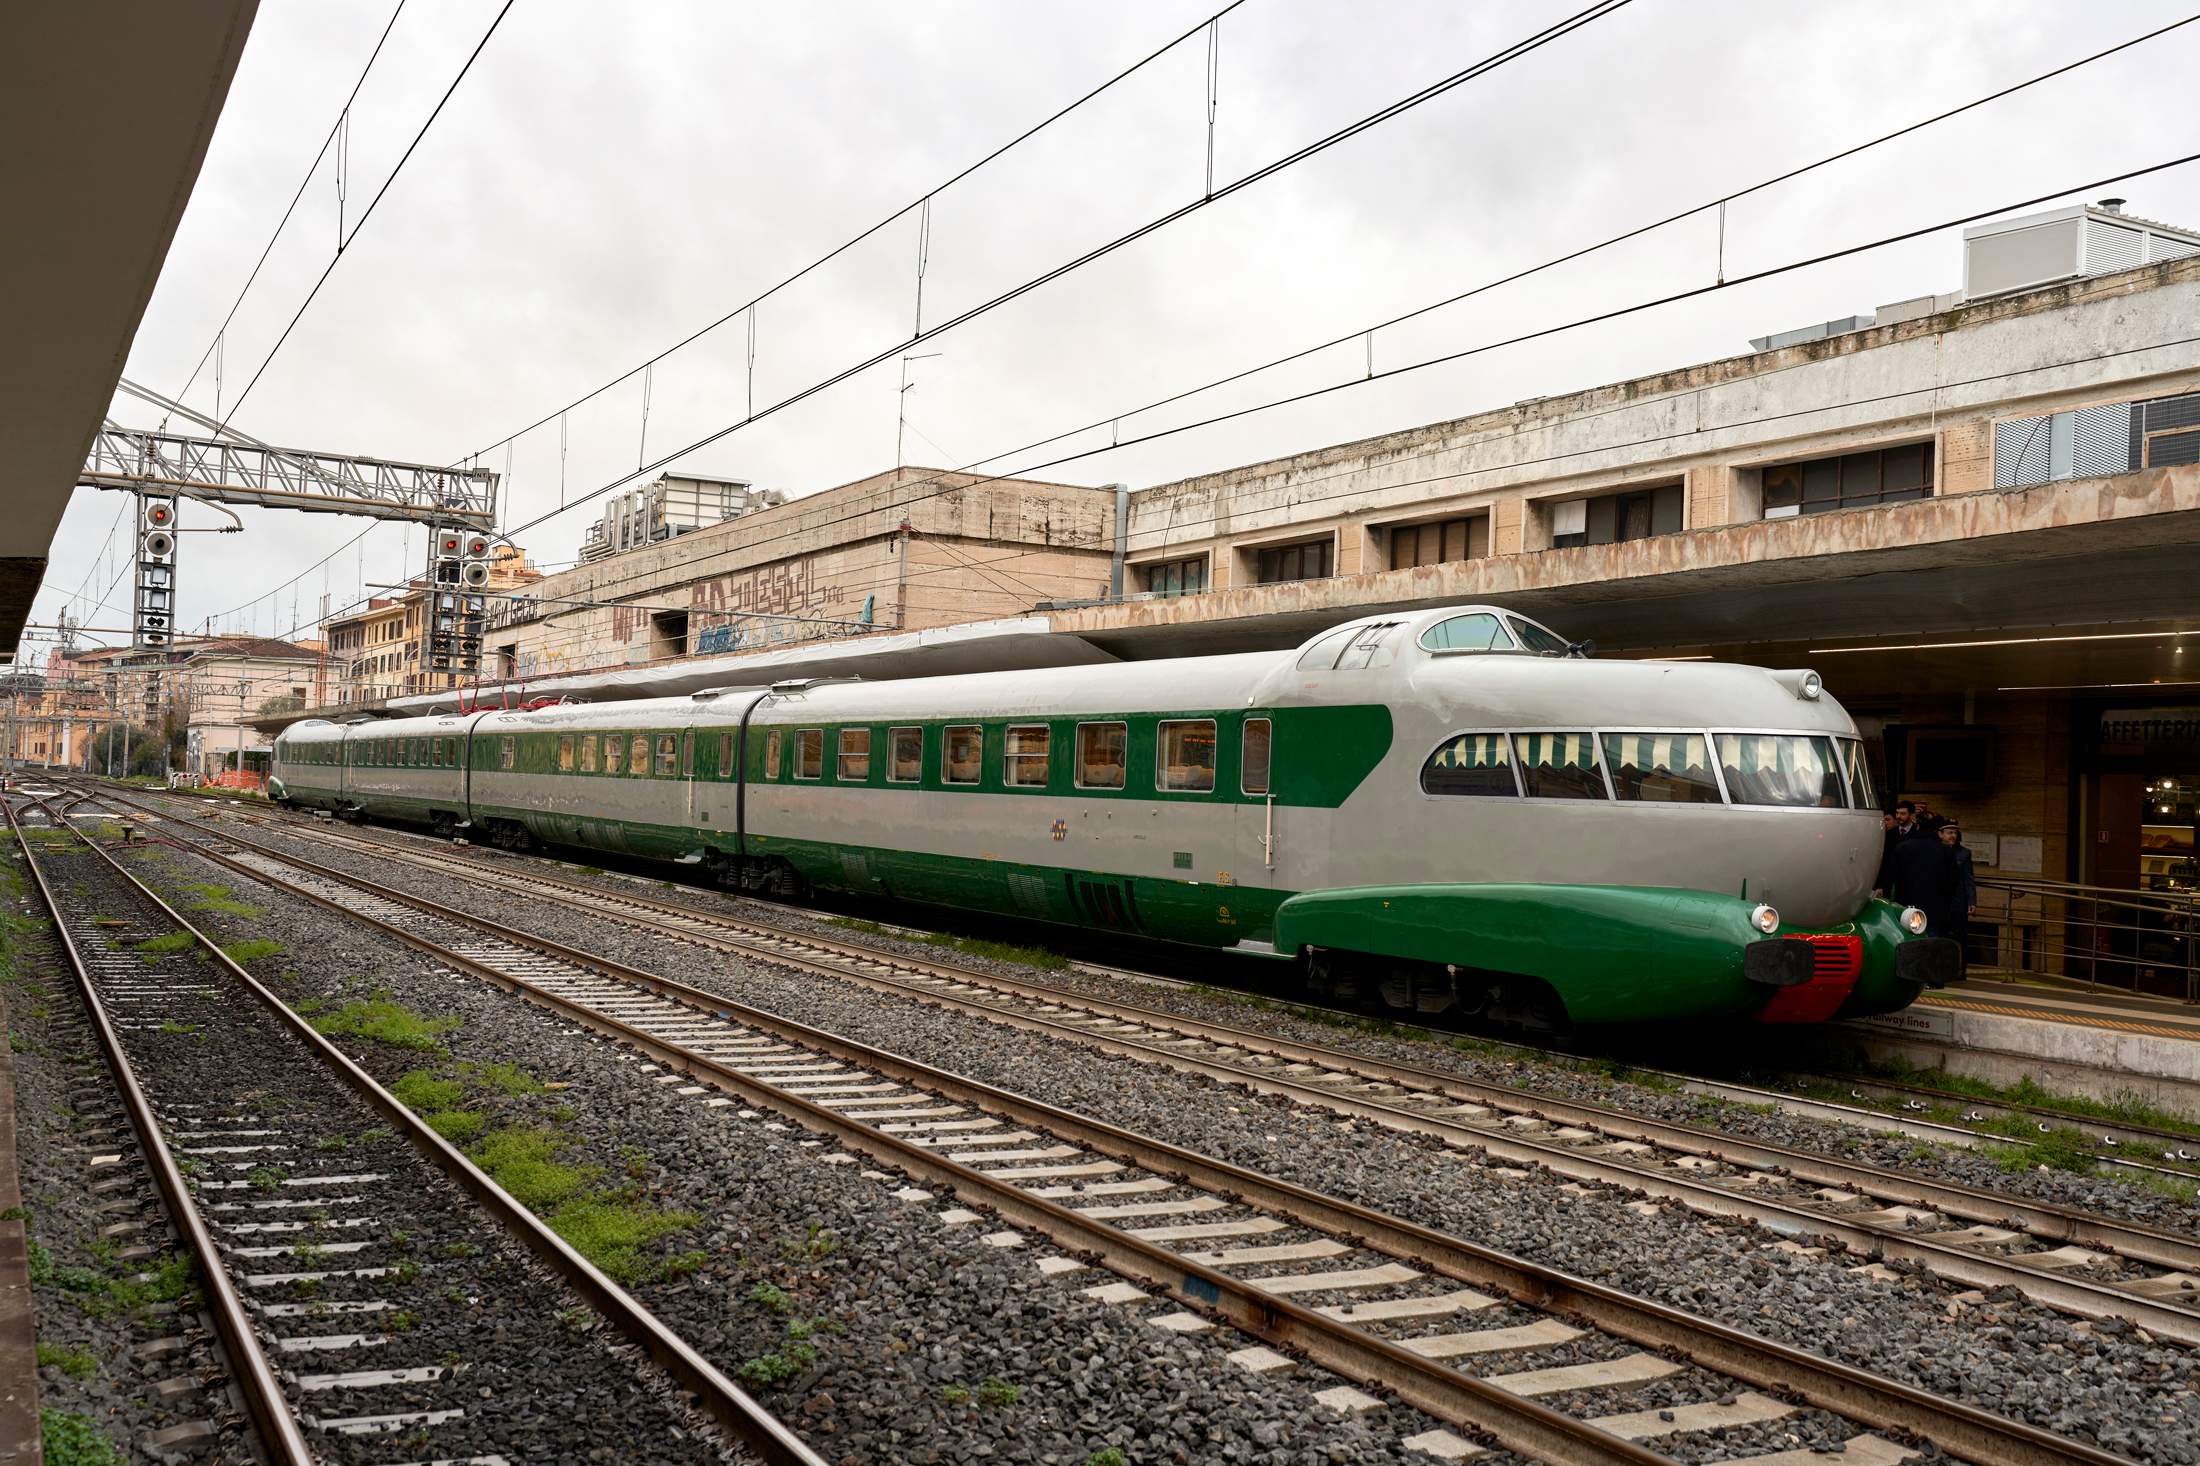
154, 603
473, 571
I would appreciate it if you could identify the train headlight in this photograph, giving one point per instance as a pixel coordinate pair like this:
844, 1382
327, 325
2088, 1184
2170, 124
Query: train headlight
1765, 919
1810, 687
1913, 921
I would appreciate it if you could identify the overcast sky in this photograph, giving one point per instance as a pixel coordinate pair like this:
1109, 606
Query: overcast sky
609, 179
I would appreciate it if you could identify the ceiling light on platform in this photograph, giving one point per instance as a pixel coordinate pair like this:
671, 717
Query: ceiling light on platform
1934, 646
2092, 686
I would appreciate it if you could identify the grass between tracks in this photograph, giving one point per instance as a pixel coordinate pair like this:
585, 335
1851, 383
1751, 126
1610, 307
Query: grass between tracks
1039, 957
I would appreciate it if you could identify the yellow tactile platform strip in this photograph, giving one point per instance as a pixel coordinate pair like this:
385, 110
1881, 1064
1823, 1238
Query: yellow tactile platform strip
2063, 1015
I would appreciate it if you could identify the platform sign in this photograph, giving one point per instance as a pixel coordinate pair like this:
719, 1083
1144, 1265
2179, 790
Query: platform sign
1920, 1022
2020, 855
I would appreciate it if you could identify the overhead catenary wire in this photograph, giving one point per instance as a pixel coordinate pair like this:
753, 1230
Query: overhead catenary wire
1433, 90
830, 255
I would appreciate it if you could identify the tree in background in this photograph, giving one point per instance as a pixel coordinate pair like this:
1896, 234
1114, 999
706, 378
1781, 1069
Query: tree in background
147, 751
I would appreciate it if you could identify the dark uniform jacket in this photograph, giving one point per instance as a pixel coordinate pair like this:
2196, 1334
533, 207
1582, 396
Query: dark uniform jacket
1925, 874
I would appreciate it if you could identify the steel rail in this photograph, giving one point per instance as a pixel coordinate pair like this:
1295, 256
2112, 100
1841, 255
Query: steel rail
1962, 1430
2047, 1221
255, 1379
718, 1396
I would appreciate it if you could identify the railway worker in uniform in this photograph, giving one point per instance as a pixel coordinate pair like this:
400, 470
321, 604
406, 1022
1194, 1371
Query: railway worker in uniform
1904, 826
1966, 901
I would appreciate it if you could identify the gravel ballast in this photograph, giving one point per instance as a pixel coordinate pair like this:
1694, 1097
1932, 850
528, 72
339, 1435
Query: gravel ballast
2101, 1383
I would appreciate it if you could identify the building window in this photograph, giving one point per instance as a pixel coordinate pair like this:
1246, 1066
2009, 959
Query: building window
964, 753
1101, 750
1024, 762
1276, 564
1851, 481
1465, 538
1186, 760
1186, 577
904, 755
1255, 747
855, 755
1614, 519
809, 753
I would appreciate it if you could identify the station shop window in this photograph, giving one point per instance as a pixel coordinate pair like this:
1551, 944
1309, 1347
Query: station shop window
566, 756
1472, 764
1616, 519
1312, 560
588, 753
1661, 768
1793, 770
809, 753
963, 754
904, 755
1255, 747
614, 749
1025, 756
668, 755
508, 751
1850, 481
1185, 761
1186, 577
1102, 750
854, 765
774, 766
1464, 538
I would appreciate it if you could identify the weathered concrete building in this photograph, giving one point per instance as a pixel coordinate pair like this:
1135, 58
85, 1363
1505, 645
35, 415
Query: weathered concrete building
380, 651
897, 551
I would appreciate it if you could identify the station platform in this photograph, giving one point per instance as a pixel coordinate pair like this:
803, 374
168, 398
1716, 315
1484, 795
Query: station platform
2005, 1027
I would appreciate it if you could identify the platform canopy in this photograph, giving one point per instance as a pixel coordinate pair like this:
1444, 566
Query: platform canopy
106, 108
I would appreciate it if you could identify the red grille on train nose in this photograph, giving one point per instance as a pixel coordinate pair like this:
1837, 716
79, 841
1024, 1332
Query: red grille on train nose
1837, 959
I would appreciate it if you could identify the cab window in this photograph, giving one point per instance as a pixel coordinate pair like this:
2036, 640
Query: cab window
809, 753
1254, 749
1101, 751
1185, 759
854, 764
1476, 632
1477, 765
1537, 640
1559, 765
965, 754
904, 755
1024, 757
1661, 768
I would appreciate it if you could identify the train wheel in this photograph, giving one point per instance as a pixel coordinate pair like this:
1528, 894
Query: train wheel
1412, 988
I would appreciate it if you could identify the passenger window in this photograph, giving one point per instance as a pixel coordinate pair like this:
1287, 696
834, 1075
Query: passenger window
773, 746
1473, 764
809, 753
1254, 749
614, 752
1796, 770
668, 755
855, 755
565, 753
1478, 632
1323, 652
904, 755
1559, 766
1101, 750
1661, 768
637, 756
588, 753
964, 755
509, 755
725, 755
1024, 763
1186, 760
687, 755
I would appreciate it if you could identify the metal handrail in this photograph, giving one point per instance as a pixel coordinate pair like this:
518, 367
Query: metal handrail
2100, 936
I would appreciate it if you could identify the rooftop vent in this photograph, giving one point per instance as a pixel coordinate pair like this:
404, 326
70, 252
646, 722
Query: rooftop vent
2025, 253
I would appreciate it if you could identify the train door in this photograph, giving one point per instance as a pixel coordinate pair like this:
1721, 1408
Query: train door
1262, 842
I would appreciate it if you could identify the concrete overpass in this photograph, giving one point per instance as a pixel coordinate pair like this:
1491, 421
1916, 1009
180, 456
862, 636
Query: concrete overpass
106, 110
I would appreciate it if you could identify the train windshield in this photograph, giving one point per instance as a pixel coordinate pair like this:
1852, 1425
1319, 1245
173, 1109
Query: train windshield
1788, 769
1535, 639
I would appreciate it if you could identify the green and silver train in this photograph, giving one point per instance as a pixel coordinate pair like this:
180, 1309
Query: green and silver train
1444, 807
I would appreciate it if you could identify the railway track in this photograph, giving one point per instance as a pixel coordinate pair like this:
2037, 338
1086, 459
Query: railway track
2068, 1259
333, 1261
1470, 1336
